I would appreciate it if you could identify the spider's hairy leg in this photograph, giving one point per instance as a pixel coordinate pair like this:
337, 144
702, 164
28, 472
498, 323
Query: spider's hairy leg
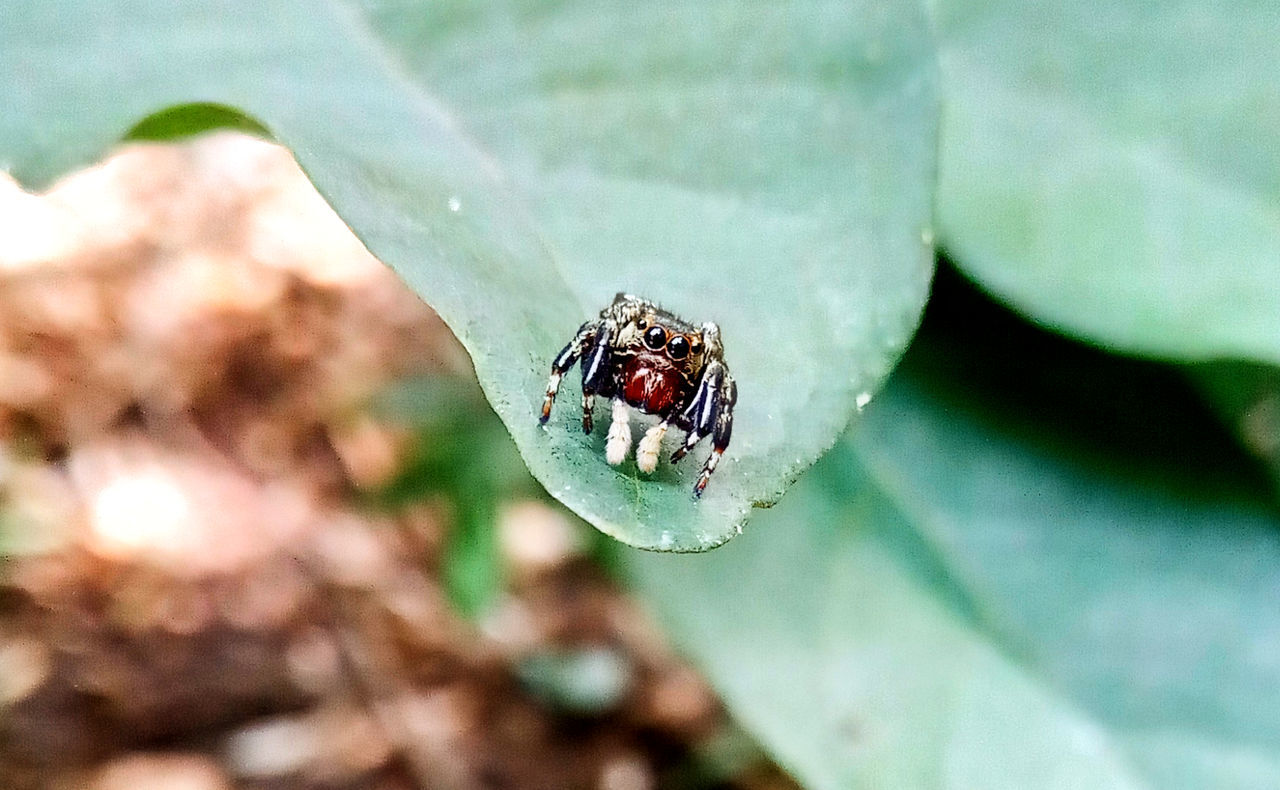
700, 414
720, 436
596, 367
563, 362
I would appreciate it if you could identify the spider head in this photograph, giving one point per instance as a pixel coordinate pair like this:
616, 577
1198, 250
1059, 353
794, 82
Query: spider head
659, 356
646, 330
655, 335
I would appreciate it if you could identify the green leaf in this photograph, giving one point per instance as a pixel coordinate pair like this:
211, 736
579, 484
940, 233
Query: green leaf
1110, 168
1247, 398
518, 163
186, 120
992, 586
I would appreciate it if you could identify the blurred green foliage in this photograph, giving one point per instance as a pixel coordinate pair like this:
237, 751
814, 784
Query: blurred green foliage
1031, 565
186, 120
464, 456
1111, 168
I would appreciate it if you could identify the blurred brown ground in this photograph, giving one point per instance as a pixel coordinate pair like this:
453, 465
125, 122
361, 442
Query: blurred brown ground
193, 599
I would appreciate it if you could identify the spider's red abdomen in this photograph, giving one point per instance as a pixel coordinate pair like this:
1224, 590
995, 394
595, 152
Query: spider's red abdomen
650, 383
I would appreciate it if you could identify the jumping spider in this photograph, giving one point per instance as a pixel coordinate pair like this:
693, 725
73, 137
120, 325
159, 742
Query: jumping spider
640, 355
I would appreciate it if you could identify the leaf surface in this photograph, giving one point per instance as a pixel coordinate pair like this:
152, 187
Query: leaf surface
1111, 169
519, 163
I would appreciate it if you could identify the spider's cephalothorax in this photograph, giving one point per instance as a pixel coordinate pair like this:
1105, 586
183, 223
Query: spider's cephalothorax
639, 355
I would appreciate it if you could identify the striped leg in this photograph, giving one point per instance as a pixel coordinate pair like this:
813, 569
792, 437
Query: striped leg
595, 369
720, 436
563, 362
700, 415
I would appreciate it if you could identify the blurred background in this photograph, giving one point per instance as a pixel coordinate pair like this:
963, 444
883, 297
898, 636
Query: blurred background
236, 558
260, 529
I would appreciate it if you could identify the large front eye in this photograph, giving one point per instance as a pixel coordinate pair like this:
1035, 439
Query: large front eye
655, 338
678, 348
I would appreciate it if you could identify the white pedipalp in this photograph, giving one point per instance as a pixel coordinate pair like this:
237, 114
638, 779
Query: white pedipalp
618, 443
650, 447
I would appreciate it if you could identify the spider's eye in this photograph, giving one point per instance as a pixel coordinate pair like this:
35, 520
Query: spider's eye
678, 348
641, 324
655, 338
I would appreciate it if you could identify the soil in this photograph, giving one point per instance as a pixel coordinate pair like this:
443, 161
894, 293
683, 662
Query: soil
195, 592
